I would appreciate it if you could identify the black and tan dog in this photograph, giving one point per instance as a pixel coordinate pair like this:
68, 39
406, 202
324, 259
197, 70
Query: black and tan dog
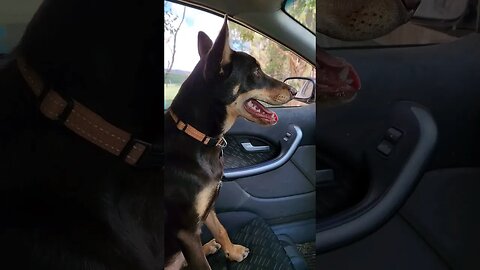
224, 85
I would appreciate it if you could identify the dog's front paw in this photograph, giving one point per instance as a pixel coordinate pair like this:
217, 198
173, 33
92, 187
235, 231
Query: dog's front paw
211, 247
237, 253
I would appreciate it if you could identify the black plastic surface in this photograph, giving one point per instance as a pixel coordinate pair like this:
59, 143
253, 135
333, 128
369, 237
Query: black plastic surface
392, 180
385, 147
444, 211
274, 210
288, 180
395, 246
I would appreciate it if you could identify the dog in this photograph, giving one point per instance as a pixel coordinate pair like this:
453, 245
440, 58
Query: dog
224, 85
81, 99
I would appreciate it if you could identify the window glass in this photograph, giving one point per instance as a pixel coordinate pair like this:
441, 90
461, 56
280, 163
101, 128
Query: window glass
303, 11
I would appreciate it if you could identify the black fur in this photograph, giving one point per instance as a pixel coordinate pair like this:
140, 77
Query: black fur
64, 202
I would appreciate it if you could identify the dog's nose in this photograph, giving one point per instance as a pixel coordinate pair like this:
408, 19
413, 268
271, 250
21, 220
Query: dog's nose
292, 90
411, 4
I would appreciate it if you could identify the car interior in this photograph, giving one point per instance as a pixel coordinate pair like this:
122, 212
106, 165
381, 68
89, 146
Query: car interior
267, 200
389, 180
398, 167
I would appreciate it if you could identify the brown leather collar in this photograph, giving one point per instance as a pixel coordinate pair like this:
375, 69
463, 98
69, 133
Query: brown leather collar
196, 134
87, 124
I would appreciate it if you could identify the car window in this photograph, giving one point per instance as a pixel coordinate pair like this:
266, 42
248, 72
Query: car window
303, 11
182, 25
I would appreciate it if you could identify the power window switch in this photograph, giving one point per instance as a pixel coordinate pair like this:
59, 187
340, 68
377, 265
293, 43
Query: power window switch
393, 135
385, 147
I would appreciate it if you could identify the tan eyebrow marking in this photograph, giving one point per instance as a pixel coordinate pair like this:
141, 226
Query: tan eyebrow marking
235, 89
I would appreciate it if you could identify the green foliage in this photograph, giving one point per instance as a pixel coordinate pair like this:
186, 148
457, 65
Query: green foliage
240, 32
275, 59
303, 11
175, 78
170, 18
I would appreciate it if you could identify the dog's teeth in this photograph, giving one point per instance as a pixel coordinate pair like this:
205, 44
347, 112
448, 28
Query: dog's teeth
343, 74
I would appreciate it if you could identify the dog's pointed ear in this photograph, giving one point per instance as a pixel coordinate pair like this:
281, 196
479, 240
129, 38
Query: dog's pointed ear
219, 57
204, 44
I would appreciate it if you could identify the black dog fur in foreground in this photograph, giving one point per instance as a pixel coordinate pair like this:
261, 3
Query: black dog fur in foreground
65, 203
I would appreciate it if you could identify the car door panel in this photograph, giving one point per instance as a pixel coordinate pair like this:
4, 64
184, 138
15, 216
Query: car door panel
394, 163
288, 145
280, 194
443, 78
236, 156
272, 184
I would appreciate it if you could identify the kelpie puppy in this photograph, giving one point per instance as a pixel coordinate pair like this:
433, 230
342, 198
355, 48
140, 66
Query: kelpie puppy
224, 85
79, 94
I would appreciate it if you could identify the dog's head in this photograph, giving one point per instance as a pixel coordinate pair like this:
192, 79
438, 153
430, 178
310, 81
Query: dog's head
233, 82
337, 80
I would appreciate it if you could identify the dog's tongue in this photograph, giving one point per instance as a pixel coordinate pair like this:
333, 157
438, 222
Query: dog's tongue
260, 112
335, 76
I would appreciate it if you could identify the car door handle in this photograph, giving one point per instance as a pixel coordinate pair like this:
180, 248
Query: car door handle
251, 148
288, 146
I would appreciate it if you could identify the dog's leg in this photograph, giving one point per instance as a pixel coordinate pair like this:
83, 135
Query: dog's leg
211, 247
177, 263
232, 251
192, 249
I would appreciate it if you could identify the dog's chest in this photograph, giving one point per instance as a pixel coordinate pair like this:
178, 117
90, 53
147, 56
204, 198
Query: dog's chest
207, 196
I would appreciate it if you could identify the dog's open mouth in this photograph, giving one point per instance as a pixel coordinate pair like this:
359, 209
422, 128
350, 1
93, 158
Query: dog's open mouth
257, 110
335, 77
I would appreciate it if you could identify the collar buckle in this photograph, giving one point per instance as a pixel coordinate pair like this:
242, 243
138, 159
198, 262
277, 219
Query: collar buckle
222, 143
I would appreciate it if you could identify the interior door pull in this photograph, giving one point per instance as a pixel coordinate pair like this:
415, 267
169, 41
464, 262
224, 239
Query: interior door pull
287, 149
251, 148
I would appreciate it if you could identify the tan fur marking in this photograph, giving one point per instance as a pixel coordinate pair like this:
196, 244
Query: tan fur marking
227, 52
176, 263
231, 117
235, 89
203, 199
232, 252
